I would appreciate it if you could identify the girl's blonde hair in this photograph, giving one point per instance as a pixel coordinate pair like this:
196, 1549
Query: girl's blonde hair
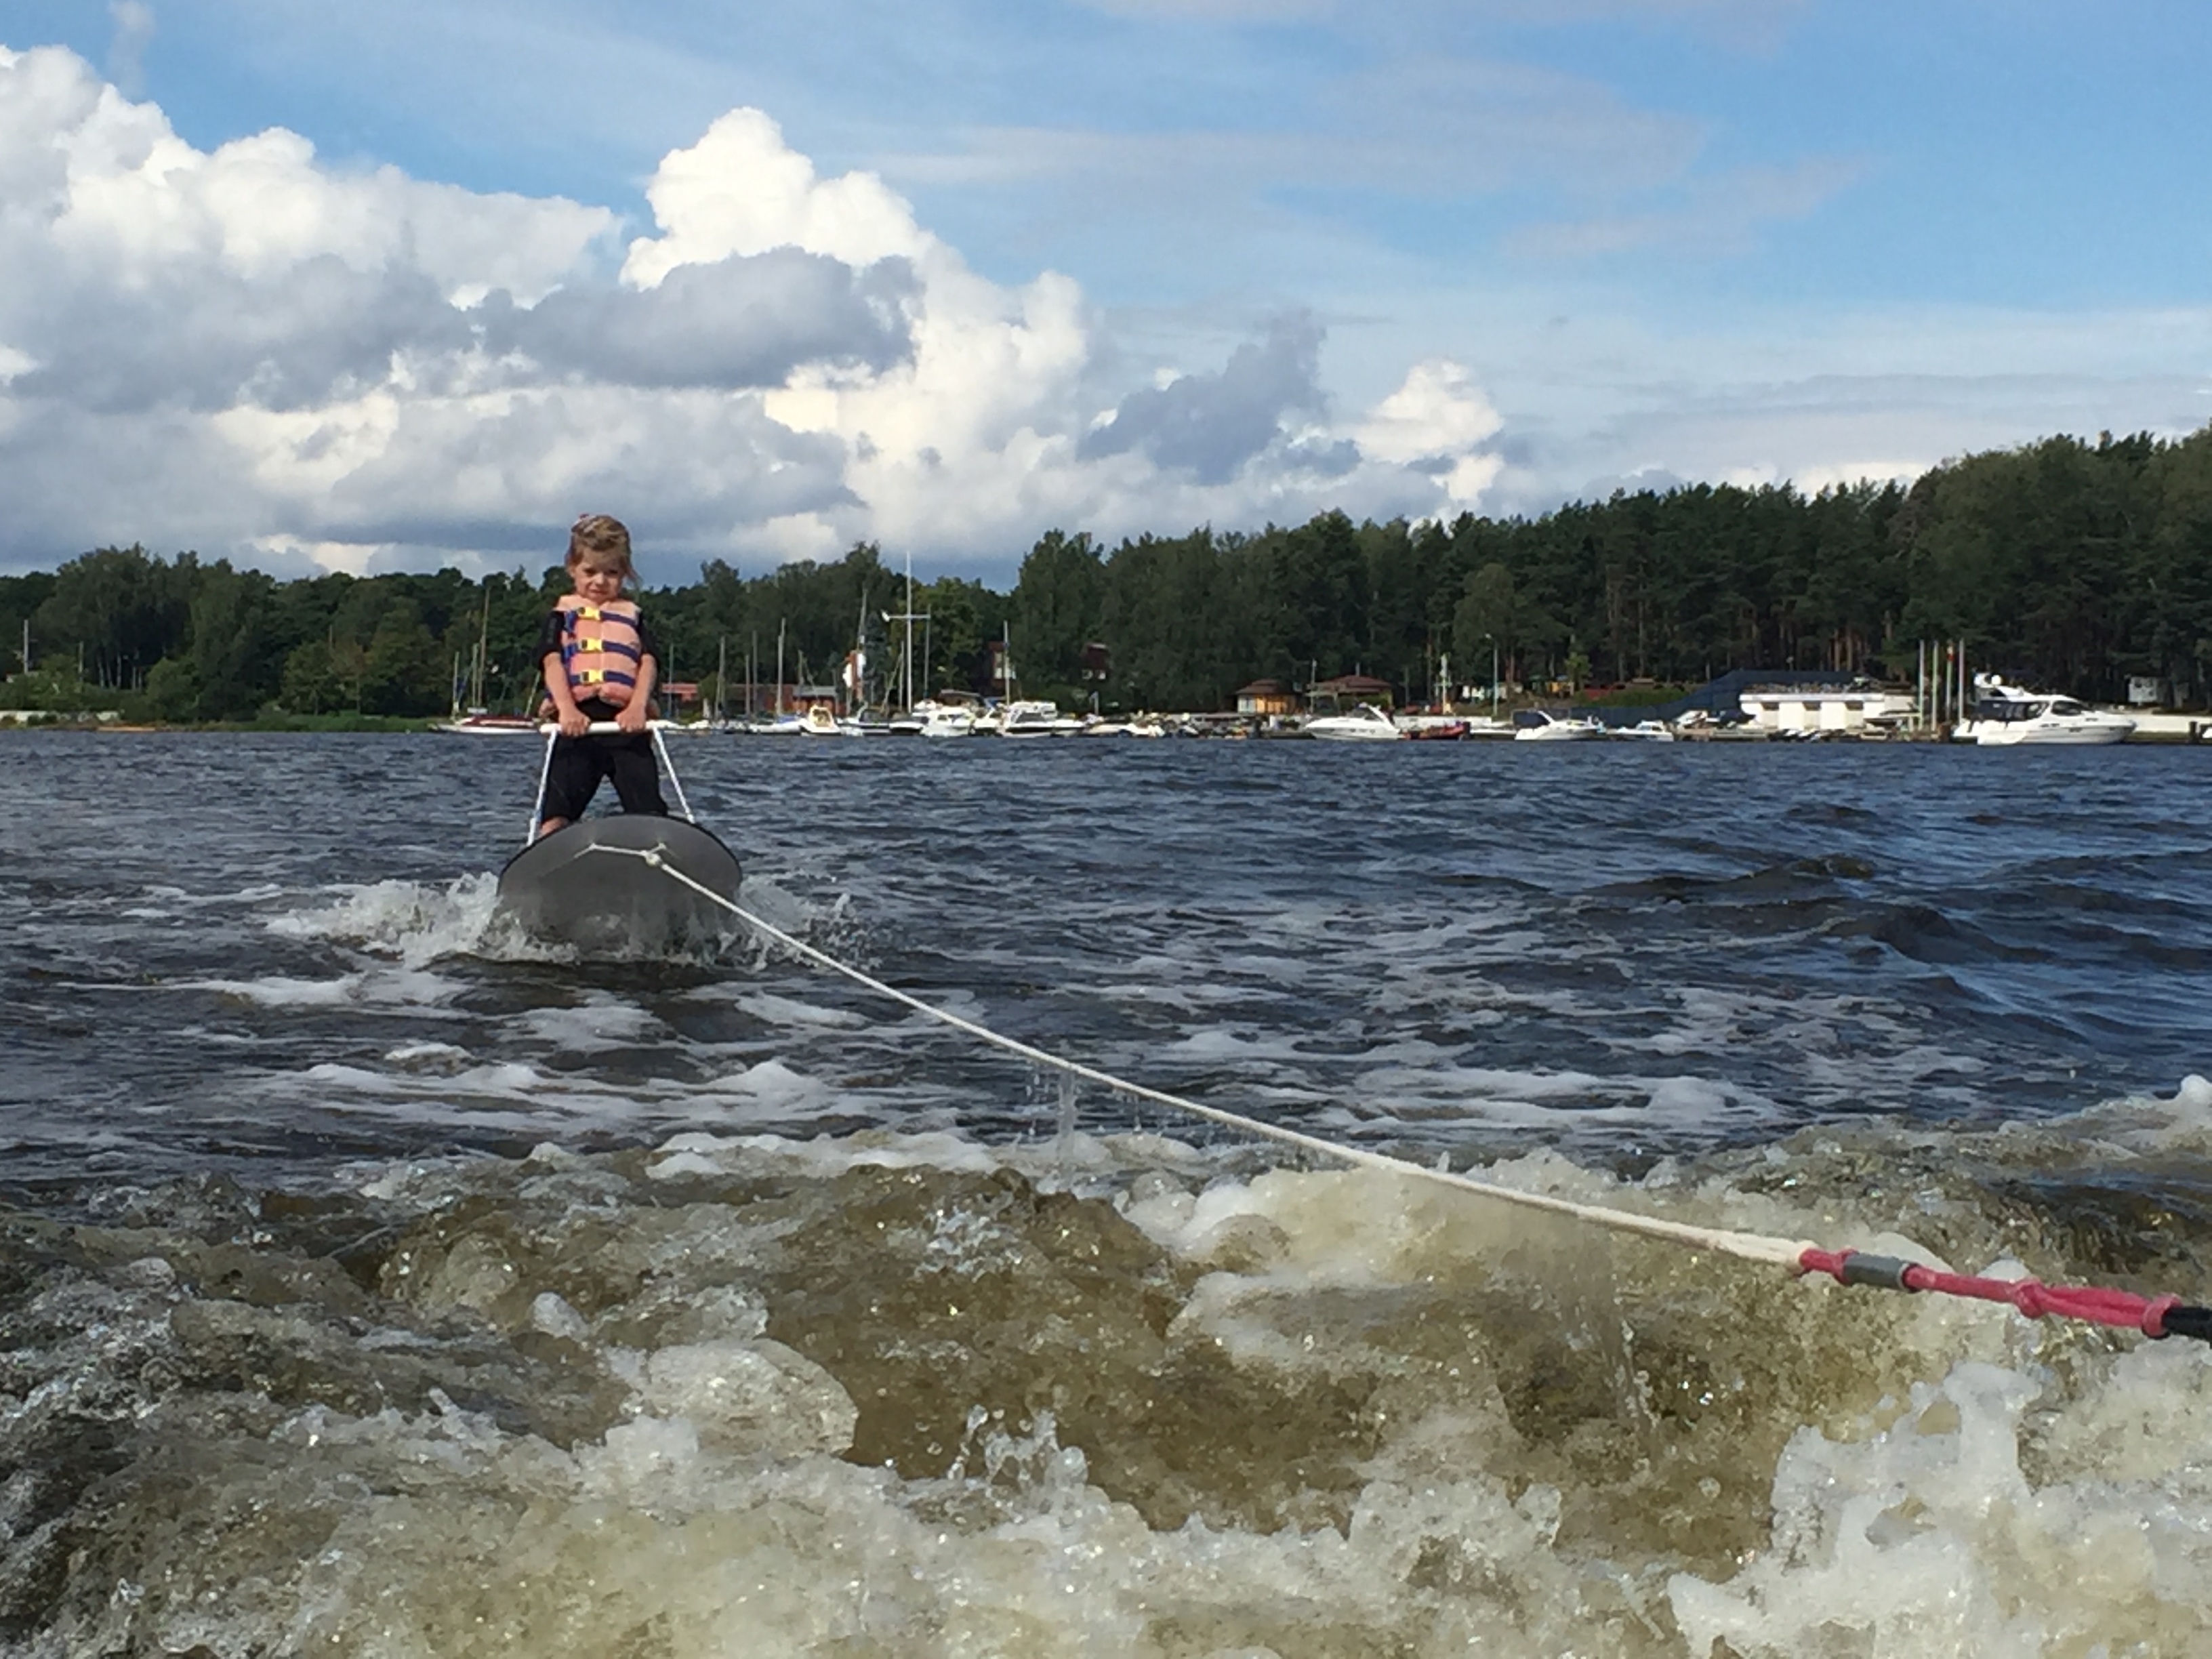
595, 533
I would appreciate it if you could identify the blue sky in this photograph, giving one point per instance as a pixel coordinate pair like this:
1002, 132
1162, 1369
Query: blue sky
1411, 258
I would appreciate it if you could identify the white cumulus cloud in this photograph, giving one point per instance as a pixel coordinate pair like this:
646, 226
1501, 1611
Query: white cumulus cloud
1440, 418
253, 352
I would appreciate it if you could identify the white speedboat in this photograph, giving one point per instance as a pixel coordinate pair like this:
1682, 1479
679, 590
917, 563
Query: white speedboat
820, 720
1641, 732
949, 719
1366, 724
1140, 725
950, 716
478, 724
1035, 718
2006, 715
1541, 725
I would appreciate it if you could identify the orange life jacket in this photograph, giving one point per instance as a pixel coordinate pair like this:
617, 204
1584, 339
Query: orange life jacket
601, 649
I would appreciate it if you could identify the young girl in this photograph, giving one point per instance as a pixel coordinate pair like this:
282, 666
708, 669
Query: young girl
600, 664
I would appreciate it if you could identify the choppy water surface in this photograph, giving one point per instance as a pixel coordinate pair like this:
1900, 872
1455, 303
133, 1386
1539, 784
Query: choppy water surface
373, 1282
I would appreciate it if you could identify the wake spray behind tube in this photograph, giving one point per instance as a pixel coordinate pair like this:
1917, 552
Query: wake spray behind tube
2163, 1315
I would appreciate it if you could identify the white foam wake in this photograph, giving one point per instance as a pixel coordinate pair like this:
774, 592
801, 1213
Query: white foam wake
416, 922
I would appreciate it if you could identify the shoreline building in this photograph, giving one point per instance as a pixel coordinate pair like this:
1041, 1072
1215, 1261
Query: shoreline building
1345, 693
1266, 698
1826, 707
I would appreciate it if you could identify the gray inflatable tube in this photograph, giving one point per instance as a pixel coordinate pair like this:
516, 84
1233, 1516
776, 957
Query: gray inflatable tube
560, 888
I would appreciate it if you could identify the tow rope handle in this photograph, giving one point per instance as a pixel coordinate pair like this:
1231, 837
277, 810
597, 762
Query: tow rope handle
2153, 1316
550, 730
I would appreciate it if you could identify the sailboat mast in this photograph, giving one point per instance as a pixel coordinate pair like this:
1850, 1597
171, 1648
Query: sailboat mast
483, 640
859, 674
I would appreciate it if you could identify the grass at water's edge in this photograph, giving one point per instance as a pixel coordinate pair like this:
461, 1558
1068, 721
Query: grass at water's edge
43, 722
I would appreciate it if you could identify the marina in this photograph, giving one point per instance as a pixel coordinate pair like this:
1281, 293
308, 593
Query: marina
1744, 705
1871, 716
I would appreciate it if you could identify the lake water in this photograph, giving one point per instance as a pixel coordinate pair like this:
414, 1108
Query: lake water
372, 1281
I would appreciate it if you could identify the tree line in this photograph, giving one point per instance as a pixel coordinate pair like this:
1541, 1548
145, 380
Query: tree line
2071, 564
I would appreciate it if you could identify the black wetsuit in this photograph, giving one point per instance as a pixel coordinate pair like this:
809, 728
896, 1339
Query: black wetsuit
573, 776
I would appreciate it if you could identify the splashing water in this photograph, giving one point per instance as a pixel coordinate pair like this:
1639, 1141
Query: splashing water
901, 1394
415, 923
371, 1284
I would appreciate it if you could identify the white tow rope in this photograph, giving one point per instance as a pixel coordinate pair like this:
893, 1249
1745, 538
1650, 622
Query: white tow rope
1751, 1246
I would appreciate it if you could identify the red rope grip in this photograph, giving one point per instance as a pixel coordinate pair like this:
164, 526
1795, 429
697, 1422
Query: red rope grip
2034, 1299
2030, 1297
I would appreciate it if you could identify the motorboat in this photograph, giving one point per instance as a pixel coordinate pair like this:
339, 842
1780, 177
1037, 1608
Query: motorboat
2006, 715
610, 886
1703, 723
1028, 718
1366, 724
820, 720
948, 720
932, 717
1641, 732
478, 724
1541, 725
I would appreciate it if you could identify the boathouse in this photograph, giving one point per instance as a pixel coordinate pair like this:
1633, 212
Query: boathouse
1346, 692
1831, 708
1266, 697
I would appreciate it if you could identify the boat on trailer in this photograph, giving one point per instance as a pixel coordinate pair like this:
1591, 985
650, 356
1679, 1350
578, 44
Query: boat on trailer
626, 885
